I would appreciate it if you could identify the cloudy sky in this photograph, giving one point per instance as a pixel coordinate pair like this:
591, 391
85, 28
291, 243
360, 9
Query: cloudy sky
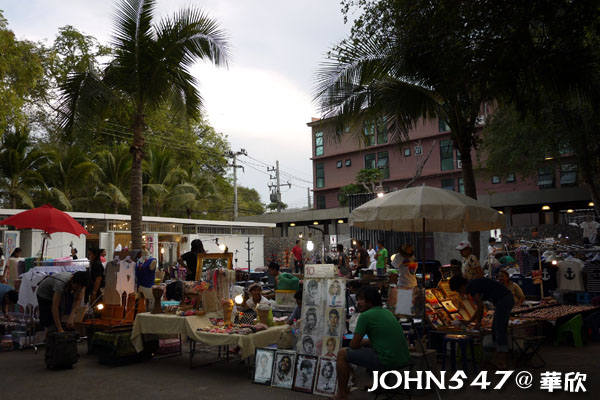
262, 102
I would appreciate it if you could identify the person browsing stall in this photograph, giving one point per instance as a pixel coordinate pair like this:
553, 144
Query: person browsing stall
404, 262
273, 271
382, 258
190, 259
296, 314
50, 293
489, 290
297, 253
97, 274
362, 255
515, 289
388, 350
8, 297
471, 269
343, 264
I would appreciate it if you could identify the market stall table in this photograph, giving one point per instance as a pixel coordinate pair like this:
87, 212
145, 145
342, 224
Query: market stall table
168, 324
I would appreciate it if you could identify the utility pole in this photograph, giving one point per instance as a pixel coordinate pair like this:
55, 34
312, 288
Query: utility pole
276, 195
234, 155
308, 198
249, 260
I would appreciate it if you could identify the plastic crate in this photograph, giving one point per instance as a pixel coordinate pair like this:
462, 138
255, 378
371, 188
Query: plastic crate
584, 298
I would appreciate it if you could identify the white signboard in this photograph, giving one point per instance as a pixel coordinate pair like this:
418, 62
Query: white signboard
319, 271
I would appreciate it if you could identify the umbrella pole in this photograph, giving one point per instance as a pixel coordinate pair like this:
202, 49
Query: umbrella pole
43, 245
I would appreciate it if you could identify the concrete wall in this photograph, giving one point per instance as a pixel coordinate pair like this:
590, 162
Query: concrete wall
57, 247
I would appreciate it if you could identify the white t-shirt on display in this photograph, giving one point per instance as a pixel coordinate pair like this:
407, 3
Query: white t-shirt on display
590, 229
372, 254
569, 275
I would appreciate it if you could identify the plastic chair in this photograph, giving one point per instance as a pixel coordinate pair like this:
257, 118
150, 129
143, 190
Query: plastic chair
591, 323
462, 341
572, 326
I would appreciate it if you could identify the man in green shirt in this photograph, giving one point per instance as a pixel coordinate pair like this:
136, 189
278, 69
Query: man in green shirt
388, 348
382, 258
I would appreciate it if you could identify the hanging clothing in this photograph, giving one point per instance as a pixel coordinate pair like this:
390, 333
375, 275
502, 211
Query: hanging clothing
549, 277
126, 277
569, 275
590, 230
593, 277
144, 276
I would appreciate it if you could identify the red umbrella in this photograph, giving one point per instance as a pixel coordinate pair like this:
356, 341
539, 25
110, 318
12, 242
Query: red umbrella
46, 218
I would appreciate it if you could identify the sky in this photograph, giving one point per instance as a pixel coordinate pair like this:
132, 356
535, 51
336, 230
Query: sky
262, 101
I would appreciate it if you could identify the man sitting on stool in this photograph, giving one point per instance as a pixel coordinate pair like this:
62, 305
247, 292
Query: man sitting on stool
388, 350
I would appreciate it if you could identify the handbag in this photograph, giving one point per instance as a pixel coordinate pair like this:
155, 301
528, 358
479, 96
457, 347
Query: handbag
245, 317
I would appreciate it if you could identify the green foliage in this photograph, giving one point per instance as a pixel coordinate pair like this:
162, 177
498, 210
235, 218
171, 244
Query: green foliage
276, 205
249, 202
20, 74
369, 178
348, 190
20, 162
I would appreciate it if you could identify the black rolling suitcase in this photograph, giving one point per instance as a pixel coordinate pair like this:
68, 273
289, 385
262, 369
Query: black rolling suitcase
61, 350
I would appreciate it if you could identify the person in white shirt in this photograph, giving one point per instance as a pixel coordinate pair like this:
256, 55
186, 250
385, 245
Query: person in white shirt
372, 253
491, 248
256, 296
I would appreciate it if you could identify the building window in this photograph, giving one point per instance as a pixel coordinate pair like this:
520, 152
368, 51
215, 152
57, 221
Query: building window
448, 184
511, 178
318, 144
546, 177
443, 125
348, 162
461, 186
383, 163
458, 160
418, 150
321, 203
382, 134
369, 129
568, 175
370, 162
320, 170
495, 179
407, 152
446, 155
338, 164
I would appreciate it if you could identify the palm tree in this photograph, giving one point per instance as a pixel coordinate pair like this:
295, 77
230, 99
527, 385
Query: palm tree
369, 80
205, 190
150, 68
113, 175
67, 175
20, 162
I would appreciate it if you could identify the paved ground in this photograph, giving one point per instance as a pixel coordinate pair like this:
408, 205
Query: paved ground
24, 376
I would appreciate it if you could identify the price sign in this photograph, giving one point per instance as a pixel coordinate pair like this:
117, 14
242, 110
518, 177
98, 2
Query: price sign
319, 271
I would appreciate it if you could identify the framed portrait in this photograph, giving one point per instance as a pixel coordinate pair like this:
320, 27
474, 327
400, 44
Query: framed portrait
304, 375
208, 262
333, 321
308, 345
283, 369
263, 366
330, 347
310, 321
336, 291
326, 379
312, 293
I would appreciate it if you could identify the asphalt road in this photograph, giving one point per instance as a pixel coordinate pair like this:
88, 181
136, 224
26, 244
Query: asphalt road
23, 375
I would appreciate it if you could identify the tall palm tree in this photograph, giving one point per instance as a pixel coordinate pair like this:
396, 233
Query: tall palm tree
67, 175
113, 176
204, 192
20, 162
151, 67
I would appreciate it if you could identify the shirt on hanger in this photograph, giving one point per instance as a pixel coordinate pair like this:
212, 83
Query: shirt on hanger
590, 229
569, 275
126, 277
593, 277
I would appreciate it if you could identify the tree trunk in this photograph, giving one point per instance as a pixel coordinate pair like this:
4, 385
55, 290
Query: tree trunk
137, 152
592, 187
13, 202
470, 190
115, 207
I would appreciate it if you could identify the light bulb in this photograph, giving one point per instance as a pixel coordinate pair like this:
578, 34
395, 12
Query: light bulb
310, 245
554, 262
100, 306
162, 250
222, 247
380, 194
238, 299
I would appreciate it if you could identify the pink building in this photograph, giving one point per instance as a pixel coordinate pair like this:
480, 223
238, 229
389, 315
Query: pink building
335, 164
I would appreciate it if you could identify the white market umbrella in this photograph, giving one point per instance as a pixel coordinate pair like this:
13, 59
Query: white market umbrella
426, 209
